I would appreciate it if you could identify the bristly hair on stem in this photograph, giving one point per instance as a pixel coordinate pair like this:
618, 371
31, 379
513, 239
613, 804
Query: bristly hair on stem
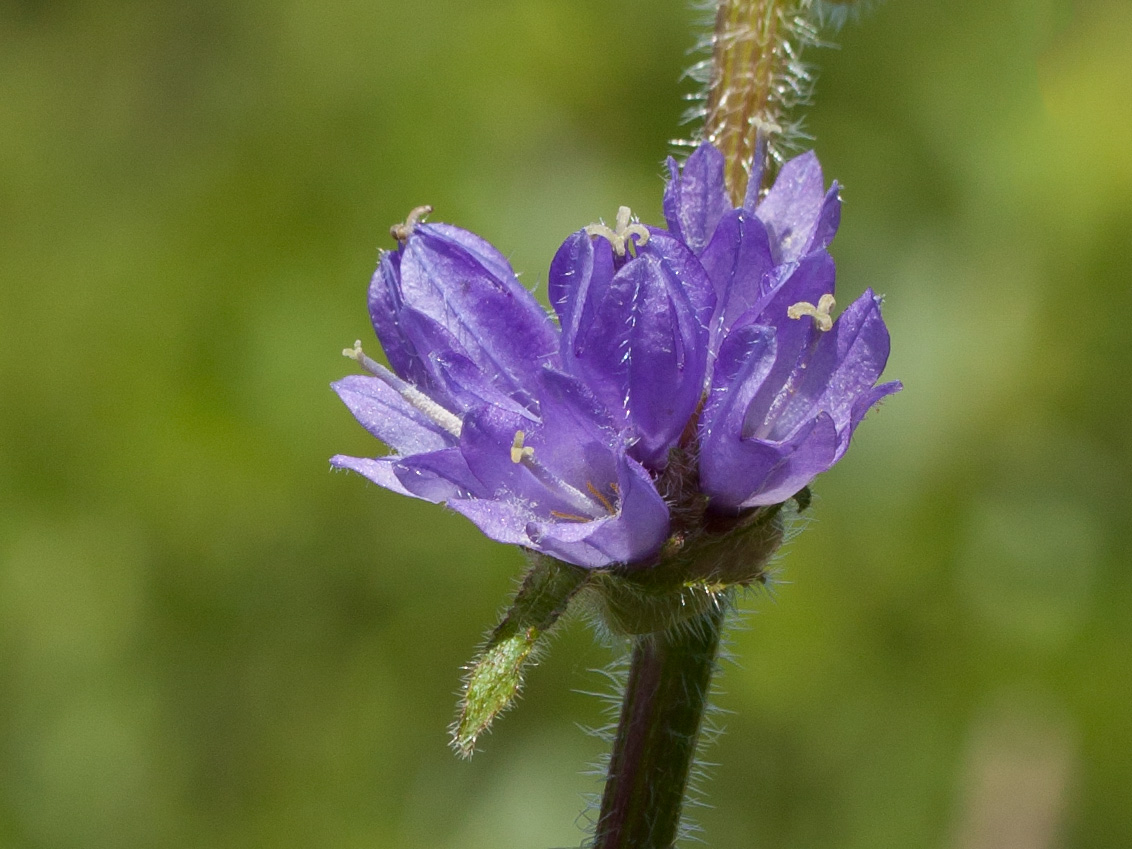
753, 79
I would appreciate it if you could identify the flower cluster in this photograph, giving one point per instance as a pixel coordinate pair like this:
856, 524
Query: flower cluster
712, 339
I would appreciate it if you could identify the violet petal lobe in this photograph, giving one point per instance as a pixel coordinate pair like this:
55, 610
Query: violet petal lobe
739, 264
695, 198
457, 378
421, 482
564, 472
807, 281
378, 470
799, 213
641, 342
382, 411
806, 454
579, 278
630, 536
438, 475
576, 495
463, 284
844, 364
738, 470
730, 470
385, 310
579, 436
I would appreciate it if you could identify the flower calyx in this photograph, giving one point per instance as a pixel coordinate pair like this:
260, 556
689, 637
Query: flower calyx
695, 571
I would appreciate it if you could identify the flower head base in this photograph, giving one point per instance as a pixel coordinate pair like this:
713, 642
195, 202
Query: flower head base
679, 366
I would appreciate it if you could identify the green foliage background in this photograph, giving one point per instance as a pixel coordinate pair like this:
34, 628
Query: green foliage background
209, 640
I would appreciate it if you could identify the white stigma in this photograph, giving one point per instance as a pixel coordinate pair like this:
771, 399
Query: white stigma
439, 415
401, 232
520, 452
821, 313
620, 236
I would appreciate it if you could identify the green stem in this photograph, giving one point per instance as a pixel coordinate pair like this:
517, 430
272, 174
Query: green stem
661, 715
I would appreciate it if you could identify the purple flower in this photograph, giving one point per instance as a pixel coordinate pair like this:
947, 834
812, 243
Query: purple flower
713, 339
480, 415
788, 384
635, 328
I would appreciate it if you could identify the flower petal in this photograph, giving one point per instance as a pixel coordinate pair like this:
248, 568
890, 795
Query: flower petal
845, 364
808, 453
641, 525
486, 443
807, 281
728, 471
644, 349
695, 198
435, 476
385, 309
577, 438
463, 284
633, 534
799, 213
384, 413
579, 277
502, 521
739, 471
379, 470
456, 377
738, 263
438, 476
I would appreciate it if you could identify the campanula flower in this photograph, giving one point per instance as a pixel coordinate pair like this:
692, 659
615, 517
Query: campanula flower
788, 384
480, 415
635, 320
714, 338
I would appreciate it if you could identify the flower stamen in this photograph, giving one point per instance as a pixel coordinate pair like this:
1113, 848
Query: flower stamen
600, 496
443, 417
619, 237
401, 232
821, 313
569, 517
525, 455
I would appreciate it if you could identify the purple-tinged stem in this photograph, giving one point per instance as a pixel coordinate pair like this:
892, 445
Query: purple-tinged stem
661, 716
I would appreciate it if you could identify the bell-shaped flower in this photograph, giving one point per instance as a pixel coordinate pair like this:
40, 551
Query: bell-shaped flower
789, 387
749, 249
715, 339
635, 328
480, 417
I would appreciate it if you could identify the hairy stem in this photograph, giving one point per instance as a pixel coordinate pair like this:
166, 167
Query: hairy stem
663, 709
756, 78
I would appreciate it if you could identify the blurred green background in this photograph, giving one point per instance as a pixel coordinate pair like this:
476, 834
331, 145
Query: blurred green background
209, 640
